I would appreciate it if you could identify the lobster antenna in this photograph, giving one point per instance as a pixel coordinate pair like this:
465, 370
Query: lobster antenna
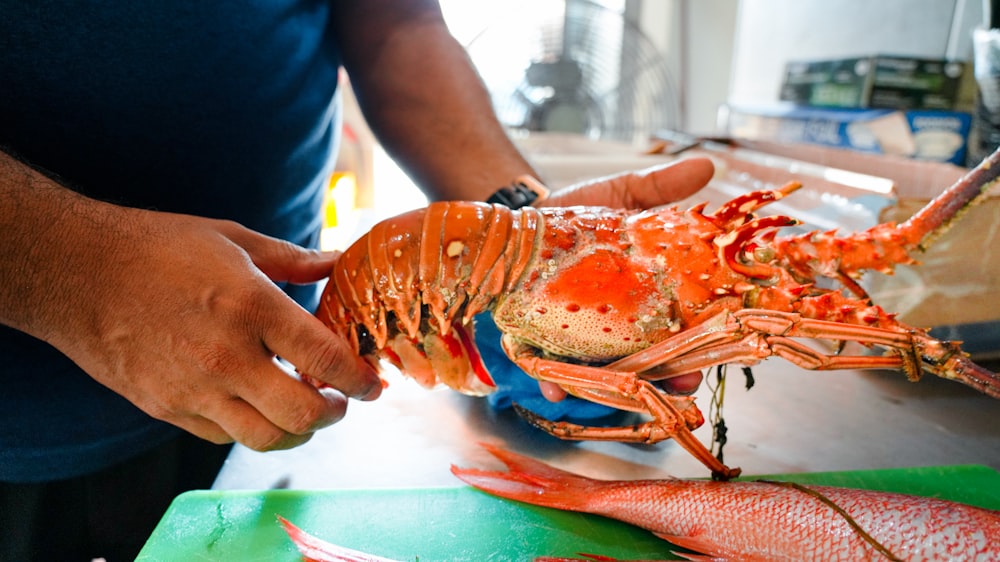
937, 216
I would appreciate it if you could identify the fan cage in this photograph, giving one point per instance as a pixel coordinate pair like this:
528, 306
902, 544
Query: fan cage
578, 67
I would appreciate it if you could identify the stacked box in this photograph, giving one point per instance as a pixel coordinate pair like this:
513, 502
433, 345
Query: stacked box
833, 83
881, 81
932, 135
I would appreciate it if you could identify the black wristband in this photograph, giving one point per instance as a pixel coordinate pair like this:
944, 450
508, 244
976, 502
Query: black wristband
524, 191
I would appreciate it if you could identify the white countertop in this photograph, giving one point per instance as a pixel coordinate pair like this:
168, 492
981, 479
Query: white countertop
792, 420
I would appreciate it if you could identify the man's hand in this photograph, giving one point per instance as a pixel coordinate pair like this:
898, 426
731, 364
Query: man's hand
190, 324
178, 314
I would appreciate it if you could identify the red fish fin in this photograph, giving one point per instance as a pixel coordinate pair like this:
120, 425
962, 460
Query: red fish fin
601, 558
530, 481
699, 557
695, 543
315, 549
586, 558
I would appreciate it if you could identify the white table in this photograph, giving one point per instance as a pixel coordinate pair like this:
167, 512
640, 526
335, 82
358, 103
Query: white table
792, 421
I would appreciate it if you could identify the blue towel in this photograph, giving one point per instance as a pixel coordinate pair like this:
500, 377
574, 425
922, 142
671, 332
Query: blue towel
515, 386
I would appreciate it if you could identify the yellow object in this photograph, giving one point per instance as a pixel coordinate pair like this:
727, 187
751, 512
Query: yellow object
341, 195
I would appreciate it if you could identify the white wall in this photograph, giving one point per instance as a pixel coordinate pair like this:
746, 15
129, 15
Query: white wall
709, 35
773, 32
696, 39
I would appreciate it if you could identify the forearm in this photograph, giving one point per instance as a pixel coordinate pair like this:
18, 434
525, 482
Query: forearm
425, 101
51, 235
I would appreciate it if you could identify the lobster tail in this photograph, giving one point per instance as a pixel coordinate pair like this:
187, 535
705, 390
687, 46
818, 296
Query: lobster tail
410, 287
470, 253
356, 295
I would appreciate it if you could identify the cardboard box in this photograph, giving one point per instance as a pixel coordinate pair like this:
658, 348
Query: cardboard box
881, 81
831, 83
939, 136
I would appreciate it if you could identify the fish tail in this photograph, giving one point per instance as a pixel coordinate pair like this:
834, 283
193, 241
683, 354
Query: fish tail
530, 481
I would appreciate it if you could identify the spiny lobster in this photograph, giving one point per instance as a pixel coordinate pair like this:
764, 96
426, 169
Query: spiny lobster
604, 301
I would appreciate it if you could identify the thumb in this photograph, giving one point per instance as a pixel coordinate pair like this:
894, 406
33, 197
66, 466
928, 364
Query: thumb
661, 185
281, 260
640, 189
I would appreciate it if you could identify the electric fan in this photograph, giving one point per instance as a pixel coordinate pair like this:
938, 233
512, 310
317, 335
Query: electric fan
575, 66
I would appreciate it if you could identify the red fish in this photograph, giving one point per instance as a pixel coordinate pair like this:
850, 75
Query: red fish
757, 520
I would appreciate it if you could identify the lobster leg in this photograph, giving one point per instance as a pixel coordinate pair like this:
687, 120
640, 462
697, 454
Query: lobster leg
672, 417
750, 335
746, 336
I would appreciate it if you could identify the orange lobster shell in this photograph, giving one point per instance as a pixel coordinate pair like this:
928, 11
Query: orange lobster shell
603, 301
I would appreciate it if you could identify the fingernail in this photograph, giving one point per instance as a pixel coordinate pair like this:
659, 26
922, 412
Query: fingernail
375, 391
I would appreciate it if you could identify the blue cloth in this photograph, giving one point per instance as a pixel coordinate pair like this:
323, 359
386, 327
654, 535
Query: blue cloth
216, 108
515, 386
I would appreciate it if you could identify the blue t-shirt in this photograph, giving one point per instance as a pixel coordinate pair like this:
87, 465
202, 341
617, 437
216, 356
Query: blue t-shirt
215, 108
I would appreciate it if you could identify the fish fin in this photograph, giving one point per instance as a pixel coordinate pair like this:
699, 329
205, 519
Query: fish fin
694, 543
315, 549
530, 481
586, 558
698, 557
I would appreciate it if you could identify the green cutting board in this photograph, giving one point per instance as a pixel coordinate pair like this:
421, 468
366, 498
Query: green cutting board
457, 524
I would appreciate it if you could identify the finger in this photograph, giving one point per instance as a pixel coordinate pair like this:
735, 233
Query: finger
641, 189
666, 184
202, 427
265, 411
682, 385
551, 391
313, 349
281, 260
251, 428
293, 405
